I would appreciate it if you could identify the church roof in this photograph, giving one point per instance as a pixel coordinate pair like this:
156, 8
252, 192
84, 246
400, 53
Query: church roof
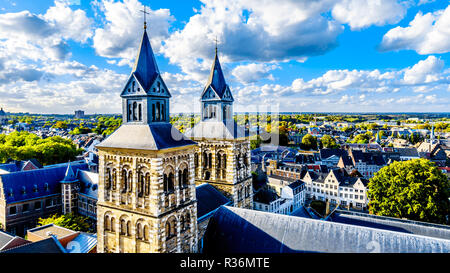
212, 129
208, 200
24, 185
88, 183
390, 223
237, 230
216, 78
154, 136
70, 174
145, 68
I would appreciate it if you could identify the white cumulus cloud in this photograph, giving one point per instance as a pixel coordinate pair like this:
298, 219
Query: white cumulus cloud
426, 34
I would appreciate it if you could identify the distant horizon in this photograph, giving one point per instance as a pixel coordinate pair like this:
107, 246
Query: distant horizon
239, 113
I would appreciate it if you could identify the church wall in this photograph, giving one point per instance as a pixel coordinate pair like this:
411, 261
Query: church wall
237, 180
152, 210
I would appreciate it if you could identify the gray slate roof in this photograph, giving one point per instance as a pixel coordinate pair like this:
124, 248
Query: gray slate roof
154, 136
389, 223
237, 230
208, 200
88, 183
211, 129
5, 238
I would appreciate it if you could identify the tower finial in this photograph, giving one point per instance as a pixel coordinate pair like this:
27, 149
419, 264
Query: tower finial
145, 19
216, 44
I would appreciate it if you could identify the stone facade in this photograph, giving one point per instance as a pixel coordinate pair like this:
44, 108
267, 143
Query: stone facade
225, 164
136, 211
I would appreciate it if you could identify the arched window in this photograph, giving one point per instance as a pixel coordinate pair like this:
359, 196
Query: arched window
180, 179
139, 231
135, 111
123, 227
153, 112
163, 112
210, 160
130, 111
158, 109
124, 180
113, 224
147, 184
224, 161
171, 228
107, 222
130, 181
171, 186
140, 112
140, 184
166, 185
185, 178
205, 159
196, 160
128, 228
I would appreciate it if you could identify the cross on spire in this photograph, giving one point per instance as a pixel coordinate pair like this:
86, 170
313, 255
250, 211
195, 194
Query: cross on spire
145, 20
216, 44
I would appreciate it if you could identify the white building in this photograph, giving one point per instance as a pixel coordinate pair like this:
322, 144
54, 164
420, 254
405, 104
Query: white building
338, 188
292, 197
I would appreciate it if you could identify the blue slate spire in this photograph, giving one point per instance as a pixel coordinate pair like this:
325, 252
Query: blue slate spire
216, 78
70, 174
145, 68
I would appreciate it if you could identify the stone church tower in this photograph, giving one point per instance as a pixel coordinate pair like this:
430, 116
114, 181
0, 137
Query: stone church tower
222, 157
146, 197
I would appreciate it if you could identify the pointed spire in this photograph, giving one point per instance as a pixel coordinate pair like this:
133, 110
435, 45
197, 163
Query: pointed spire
70, 174
145, 68
216, 78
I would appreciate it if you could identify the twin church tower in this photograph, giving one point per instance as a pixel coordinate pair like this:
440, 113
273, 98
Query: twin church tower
148, 170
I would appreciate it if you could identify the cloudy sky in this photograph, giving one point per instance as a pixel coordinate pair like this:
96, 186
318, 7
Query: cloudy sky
57, 56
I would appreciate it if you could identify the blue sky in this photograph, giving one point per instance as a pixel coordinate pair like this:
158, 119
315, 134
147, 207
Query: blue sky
286, 55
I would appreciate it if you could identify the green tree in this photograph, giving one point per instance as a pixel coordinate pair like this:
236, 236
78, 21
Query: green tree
329, 142
414, 189
70, 221
309, 142
60, 125
25, 145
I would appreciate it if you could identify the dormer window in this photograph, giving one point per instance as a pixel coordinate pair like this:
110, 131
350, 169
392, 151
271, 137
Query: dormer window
11, 192
35, 188
24, 190
46, 186
134, 87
